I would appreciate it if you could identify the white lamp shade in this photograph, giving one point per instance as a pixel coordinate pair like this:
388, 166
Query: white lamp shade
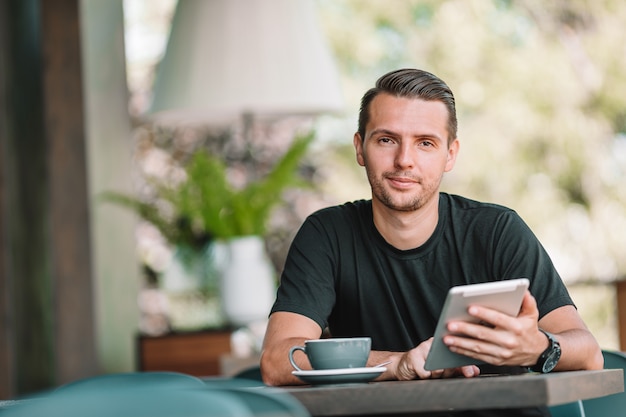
226, 58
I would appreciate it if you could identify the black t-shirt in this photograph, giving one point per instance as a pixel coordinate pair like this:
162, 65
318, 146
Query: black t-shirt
341, 273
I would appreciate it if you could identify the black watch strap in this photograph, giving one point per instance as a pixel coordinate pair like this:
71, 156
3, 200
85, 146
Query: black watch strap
549, 358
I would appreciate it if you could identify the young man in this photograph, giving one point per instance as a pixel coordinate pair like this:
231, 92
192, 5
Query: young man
382, 267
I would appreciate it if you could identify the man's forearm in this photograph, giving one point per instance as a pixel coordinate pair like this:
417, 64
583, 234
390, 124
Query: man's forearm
579, 351
275, 366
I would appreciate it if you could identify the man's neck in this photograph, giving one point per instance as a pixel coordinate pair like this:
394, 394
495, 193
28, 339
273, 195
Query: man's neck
406, 229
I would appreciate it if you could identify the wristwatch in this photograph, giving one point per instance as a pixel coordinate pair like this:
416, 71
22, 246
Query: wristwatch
548, 359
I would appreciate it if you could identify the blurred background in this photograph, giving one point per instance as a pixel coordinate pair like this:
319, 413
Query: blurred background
93, 100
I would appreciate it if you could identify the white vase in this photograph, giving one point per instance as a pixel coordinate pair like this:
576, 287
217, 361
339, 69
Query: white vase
248, 280
188, 270
191, 285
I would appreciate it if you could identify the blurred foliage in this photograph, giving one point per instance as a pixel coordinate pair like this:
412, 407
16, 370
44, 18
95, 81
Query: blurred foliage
541, 100
205, 205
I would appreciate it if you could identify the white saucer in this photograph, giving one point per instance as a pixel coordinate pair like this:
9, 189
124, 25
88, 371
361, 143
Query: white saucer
339, 376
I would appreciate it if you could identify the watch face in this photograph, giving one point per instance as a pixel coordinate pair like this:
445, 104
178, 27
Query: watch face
551, 361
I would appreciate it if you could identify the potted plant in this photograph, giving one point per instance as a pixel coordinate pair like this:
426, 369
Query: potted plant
207, 208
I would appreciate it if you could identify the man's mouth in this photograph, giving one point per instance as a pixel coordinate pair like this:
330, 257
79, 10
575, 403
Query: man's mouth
401, 181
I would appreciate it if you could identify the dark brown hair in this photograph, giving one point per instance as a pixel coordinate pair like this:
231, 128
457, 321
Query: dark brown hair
411, 83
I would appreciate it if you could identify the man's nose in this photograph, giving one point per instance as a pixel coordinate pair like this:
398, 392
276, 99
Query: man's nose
405, 156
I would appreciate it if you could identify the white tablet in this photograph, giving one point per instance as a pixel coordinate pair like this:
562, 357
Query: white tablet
505, 296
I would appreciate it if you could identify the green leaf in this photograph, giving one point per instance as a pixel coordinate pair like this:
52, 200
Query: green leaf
206, 204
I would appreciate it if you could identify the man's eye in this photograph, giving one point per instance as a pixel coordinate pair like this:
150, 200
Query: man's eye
385, 140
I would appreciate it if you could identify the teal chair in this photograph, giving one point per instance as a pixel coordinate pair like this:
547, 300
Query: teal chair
159, 394
263, 400
611, 405
163, 379
574, 409
132, 401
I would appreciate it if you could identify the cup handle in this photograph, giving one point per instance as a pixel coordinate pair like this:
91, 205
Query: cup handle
291, 351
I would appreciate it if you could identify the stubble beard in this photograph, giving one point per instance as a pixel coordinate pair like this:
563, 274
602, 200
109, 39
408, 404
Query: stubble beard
413, 201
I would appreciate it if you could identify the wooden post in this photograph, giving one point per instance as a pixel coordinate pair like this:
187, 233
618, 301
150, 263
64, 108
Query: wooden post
7, 353
46, 305
69, 211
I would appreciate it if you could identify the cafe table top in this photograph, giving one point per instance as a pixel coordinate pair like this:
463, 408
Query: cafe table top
482, 392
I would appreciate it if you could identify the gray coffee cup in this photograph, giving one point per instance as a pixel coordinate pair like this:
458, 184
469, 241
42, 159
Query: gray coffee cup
334, 353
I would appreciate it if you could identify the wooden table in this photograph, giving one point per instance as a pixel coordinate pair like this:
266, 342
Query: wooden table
484, 392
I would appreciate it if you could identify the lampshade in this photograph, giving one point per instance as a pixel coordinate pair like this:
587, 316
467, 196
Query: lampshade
226, 58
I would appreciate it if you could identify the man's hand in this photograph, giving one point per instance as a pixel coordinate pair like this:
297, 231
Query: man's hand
411, 366
507, 341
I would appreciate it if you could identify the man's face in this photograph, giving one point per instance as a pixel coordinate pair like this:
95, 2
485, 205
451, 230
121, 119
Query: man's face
405, 150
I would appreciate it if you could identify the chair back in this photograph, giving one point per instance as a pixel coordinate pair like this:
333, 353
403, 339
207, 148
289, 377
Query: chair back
247, 385
163, 379
138, 401
611, 405
160, 394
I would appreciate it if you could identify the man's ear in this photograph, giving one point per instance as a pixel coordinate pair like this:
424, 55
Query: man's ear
453, 151
358, 147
